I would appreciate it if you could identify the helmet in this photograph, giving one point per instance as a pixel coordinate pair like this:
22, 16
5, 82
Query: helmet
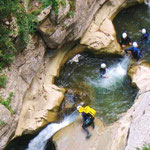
143, 31
103, 65
78, 107
135, 44
124, 35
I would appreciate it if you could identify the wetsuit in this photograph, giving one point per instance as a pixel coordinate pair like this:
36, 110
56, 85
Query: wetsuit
102, 72
88, 120
144, 38
125, 41
135, 52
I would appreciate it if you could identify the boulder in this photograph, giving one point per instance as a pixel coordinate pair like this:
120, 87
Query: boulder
100, 34
71, 27
102, 39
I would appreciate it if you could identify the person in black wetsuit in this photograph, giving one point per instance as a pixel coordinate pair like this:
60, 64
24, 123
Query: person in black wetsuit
125, 40
136, 53
88, 115
103, 70
144, 37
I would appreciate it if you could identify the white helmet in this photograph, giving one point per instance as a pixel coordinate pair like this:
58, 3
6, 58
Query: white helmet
135, 44
143, 31
103, 65
78, 107
124, 35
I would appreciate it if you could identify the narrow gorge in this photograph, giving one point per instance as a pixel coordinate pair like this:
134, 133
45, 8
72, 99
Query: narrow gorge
48, 83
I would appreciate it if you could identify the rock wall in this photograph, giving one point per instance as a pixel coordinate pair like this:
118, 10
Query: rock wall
56, 30
101, 34
43, 98
21, 73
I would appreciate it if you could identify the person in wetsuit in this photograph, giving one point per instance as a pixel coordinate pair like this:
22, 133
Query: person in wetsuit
103, 70
125, 40
88, 115
144, 37
136, 53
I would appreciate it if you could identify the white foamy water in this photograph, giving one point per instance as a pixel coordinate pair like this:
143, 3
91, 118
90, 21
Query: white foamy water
147, 2
115, 74
39, 142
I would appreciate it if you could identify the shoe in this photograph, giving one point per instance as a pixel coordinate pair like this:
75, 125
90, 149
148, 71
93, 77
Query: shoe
88, 136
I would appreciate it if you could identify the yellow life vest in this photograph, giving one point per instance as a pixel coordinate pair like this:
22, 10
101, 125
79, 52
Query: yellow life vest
90, 110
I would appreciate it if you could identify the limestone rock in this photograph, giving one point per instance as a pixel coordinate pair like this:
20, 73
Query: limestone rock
139, 128
141, 78
73, 136
103, 138
73, 26
44, 14
62, 12
19, 82
5, 116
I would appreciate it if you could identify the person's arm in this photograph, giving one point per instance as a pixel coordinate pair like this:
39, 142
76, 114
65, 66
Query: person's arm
128, 49
129, 41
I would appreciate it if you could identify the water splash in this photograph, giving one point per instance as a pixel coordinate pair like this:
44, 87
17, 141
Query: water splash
147, 2
39, 142
115, 73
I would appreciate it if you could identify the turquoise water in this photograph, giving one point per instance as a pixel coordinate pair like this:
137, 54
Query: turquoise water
110, 97
132, 20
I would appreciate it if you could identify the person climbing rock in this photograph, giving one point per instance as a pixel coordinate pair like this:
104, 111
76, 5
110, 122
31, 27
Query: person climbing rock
136, 53
144, 37
125, 40
88, 115
103, 71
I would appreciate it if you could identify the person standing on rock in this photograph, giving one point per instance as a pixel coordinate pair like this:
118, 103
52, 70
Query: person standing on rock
136, 53
88, 115
125, 40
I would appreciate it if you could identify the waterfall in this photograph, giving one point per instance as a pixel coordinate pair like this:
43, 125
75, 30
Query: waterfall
39, 142
147, 2
115, 73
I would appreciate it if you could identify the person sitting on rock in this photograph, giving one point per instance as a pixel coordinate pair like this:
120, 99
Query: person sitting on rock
88, 115
125, 40
103, 71
136, 53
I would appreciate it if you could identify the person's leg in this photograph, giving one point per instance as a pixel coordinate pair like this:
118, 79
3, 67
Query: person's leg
93, 125
84, 126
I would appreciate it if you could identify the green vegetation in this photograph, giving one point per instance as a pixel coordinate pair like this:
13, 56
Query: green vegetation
70, 13
3, 81
145, 147
6, 102
2, 123
72, 5
13, 10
